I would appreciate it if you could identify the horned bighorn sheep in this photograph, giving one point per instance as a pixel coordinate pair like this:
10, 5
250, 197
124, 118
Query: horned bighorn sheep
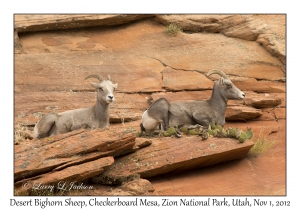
193, 112
96, 116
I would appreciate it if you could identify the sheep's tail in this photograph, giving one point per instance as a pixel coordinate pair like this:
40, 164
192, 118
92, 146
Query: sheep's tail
44, 126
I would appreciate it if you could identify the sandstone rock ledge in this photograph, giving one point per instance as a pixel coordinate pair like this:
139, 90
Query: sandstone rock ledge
172, 155
62, 152
117, 157
73, 156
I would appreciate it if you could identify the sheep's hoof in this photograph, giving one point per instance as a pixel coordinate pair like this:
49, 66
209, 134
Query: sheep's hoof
157, 132
205, 135
197, 126
177, 133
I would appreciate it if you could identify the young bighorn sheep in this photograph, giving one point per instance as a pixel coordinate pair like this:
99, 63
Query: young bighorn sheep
193, 112
96, 116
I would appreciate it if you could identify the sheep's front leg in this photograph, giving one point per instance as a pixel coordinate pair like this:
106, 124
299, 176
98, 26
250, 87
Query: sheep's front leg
197, 126
62, 125
203, 119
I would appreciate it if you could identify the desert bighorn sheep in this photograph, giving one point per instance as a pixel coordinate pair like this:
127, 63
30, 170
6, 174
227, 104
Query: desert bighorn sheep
193, 112
96, 116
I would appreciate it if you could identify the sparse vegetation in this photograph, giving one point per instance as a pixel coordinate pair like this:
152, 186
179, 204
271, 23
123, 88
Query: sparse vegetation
261, 145
213, 130
21, 133
172, 29
241, 46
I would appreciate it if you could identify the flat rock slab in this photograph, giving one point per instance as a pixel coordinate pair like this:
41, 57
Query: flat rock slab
263, 100
259, 86
132, 188
73, 174
25, 23
242, 113
260, 28
61, 151
177, 80
142, 48
172, 155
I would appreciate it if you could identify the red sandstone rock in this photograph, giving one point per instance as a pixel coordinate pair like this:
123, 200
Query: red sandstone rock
185, 80
241, 113
280, 113
173, 155
73, 174
264, 175
273, 45
267, 115
261, 100
25, 23
65, 65
60, 151
136, 187
268, 30
251, 84
230, 25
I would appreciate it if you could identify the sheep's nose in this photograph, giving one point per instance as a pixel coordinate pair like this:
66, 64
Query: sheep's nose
110, 97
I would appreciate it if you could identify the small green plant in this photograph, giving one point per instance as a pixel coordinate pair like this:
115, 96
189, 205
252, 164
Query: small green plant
219, 131
172, 29
261, 145
241, 46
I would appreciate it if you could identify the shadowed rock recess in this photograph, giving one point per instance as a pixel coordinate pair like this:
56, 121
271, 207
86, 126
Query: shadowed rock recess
54, 53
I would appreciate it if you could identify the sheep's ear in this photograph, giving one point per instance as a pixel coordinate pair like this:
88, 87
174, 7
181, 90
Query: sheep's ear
222, 81
116, 85
95, 85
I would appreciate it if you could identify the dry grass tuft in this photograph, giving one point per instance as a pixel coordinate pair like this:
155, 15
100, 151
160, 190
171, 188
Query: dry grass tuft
21, 133
261, 145
172, 29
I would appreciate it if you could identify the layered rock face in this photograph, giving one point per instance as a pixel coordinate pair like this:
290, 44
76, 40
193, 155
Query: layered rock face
54, 53
144, 60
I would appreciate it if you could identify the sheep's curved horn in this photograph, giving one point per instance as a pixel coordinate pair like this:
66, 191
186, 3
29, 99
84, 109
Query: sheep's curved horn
109, 78
95, 76
219, 72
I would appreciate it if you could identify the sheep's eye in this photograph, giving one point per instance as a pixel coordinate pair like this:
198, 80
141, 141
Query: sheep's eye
100, 89
229, 86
